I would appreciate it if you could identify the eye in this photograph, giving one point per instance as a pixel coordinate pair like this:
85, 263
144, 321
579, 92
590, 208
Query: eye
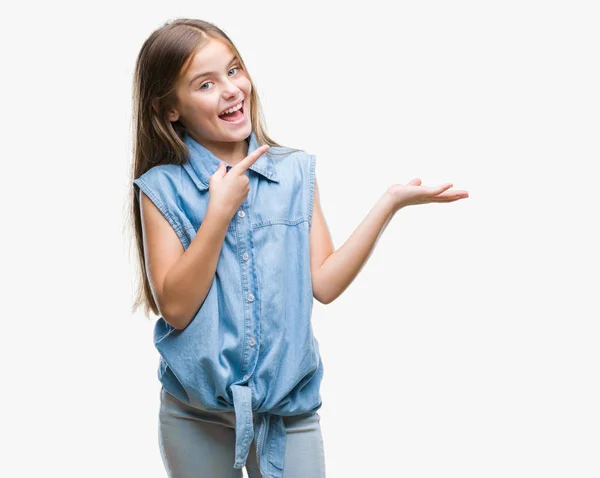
203, 84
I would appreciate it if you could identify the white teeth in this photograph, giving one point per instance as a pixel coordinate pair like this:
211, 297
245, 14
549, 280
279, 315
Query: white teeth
232, 109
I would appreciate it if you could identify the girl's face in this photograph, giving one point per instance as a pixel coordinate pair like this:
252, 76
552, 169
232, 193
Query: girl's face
202, 98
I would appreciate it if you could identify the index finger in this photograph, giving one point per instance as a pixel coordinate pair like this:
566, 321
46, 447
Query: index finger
249, 160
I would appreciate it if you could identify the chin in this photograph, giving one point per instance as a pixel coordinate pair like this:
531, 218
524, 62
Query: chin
243, 133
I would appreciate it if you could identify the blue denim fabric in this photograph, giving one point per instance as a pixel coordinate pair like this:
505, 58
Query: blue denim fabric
250, 347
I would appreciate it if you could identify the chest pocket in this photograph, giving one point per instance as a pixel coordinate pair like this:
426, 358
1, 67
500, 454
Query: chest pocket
287, 202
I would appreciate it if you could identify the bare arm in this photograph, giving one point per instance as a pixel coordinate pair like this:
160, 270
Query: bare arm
333, 271
180, 280
189, 279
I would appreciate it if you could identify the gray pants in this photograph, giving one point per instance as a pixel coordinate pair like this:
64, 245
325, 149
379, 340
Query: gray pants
199, 444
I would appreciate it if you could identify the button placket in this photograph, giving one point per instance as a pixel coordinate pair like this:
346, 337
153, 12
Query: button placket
244, 236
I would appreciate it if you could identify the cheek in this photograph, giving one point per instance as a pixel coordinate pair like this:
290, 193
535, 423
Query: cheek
205, 106
244, 85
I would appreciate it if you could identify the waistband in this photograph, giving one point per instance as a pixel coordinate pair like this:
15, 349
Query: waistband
269, 434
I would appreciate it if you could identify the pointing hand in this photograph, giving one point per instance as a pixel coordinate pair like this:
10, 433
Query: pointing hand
228, 190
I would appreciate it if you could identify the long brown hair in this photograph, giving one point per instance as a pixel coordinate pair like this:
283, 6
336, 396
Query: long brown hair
164, 59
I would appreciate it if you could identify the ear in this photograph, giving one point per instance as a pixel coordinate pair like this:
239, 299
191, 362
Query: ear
155, 105
172, 115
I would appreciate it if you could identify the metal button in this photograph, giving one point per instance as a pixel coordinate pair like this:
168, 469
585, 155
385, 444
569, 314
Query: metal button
241, 213
251, 297
245, 256
252, 342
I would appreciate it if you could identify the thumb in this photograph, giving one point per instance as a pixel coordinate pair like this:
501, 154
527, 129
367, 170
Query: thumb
221, 170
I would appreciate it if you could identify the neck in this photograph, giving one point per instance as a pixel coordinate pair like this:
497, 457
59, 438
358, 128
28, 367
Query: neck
230, 152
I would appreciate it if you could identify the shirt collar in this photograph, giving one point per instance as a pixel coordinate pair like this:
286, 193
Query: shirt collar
202, 163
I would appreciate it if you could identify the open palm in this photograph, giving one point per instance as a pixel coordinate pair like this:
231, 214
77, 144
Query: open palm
414, 193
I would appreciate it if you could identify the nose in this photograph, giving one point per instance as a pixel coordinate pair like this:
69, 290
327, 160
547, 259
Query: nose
231, 90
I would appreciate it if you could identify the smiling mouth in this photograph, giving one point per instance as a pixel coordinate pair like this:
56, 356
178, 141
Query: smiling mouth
241, 102
235, 117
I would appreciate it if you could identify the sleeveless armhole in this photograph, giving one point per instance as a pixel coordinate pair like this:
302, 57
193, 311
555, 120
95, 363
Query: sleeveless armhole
311, 196
173, 221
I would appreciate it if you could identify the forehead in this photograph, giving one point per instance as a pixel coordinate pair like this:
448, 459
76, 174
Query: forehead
212, 55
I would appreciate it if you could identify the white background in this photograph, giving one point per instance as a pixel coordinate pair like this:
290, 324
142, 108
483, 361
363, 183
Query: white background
468, 345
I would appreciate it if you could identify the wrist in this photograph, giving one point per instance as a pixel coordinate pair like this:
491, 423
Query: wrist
391, 202
220, 214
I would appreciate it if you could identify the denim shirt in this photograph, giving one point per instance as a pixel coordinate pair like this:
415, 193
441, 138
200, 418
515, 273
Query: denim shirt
250, 347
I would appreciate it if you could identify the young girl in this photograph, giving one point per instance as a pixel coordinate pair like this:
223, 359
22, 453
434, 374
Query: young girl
233, 247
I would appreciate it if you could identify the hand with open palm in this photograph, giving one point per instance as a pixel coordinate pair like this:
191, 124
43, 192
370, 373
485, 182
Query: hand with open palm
414, 193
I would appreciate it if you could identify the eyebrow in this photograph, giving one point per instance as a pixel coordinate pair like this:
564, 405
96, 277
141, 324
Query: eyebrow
210, 72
